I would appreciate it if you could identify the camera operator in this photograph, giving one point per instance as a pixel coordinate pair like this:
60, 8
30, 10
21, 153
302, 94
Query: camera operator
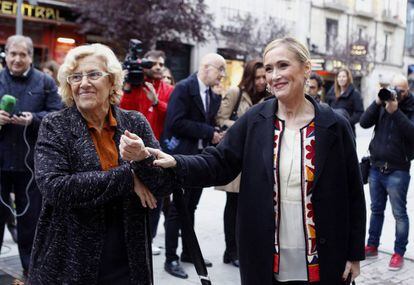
34, 94
391, 150
150, 97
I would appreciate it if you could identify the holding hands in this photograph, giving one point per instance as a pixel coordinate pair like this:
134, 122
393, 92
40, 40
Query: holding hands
162, 159
132, 147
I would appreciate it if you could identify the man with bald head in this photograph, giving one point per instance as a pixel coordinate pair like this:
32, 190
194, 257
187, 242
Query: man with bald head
189, 128
391, 152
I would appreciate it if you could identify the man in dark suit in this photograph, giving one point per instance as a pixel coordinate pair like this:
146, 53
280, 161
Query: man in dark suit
188, 129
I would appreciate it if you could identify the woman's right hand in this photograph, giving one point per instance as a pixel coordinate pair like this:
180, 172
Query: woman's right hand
131, 147
162, 159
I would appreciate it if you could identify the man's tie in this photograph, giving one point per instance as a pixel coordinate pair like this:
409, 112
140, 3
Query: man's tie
207, 108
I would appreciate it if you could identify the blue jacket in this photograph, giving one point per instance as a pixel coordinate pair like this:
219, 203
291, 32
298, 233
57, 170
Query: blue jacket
186, 120
35, 93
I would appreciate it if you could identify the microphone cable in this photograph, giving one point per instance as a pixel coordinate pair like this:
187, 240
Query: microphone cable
14, 211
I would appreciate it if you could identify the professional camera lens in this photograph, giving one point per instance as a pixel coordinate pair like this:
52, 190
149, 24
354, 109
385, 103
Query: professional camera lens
386, 94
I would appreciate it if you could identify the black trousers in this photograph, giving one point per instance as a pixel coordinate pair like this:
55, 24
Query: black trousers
230, 214
16, 182
173, 224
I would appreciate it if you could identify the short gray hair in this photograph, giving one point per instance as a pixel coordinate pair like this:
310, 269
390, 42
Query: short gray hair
16, 39
111, 63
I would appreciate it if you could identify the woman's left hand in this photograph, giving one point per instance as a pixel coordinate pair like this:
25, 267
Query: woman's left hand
353, 267
132, 147
144, 194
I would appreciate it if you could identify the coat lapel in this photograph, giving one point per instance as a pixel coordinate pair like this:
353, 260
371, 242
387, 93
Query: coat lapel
264, 128
195, 94
83, 142
324, 136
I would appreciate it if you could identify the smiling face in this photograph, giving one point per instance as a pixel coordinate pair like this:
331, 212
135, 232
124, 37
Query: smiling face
18, 59
285, 74
342, 79
91, 95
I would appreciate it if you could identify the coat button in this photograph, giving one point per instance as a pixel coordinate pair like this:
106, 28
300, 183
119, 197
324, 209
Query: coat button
322, 241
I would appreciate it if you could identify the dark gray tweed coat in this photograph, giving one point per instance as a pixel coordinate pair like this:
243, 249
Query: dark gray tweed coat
70, 232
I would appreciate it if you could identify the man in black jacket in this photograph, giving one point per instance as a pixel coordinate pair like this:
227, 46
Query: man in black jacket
391, 150
189, 127
36, 95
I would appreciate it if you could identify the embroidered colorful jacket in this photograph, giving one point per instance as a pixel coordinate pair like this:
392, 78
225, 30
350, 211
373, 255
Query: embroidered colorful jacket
308, 169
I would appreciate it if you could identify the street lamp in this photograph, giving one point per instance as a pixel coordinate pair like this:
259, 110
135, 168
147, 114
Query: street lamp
19, 16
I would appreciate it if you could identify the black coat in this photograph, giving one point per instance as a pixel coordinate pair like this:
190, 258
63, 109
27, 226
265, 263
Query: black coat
70, 233
349, 101
186, 121
338, 198
35, 93
393, 140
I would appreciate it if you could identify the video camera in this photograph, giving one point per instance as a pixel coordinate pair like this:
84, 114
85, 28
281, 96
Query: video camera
135, 64
386, 94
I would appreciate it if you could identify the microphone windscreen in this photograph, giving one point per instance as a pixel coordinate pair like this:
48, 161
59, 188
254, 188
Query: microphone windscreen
7, 103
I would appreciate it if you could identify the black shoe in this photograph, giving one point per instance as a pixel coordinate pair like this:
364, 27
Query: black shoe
175, 269
185, 258
227, 258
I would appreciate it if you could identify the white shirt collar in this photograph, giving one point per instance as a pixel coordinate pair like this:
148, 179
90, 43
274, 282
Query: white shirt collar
202, 86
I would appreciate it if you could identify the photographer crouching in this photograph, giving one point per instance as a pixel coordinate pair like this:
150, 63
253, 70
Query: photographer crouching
391, 152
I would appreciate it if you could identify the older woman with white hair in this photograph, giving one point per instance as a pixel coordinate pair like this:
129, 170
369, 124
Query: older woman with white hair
93, 229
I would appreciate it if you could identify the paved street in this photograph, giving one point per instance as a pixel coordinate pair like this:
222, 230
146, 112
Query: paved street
209, 221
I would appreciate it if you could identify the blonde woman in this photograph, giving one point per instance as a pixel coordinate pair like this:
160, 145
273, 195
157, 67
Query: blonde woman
301, 212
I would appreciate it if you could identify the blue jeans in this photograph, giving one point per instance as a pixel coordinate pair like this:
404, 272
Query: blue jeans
395, 185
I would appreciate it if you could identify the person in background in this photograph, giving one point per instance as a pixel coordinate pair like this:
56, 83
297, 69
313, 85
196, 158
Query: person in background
345, 98
301, 212
391, 151
36, 95
189, 128
235, 103
51, 68
167, 76
93, 229
314, 86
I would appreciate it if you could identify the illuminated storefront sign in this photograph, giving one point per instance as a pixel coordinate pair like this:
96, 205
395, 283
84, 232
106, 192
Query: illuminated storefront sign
31, 11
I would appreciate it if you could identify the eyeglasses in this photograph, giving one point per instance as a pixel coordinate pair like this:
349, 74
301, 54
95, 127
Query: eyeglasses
91, 76
221, 69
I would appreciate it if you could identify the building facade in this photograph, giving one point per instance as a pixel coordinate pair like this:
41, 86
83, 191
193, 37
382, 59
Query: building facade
365, 35
50, 24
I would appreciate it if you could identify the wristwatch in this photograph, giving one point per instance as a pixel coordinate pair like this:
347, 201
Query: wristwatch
155, 103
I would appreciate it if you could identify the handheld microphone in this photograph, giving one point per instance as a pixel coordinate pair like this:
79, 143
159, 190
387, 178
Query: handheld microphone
7, 104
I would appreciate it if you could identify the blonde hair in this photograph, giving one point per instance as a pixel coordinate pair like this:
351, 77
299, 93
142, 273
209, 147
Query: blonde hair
111, 63
348, 75
301, 52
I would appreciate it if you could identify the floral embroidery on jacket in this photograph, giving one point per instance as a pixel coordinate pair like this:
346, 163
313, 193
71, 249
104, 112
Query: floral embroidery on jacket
308, 169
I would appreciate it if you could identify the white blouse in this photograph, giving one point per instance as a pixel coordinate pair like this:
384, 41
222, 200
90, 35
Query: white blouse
292, 265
